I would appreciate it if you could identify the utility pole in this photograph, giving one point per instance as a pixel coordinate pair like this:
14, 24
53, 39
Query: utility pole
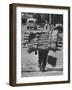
50, 21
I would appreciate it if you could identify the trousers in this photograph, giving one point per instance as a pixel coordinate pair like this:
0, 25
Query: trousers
42, 55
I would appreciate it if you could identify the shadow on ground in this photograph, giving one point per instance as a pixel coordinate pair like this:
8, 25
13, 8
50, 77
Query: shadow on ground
46, 70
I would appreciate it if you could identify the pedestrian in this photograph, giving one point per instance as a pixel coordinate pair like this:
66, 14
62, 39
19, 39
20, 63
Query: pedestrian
42, 50
46, 25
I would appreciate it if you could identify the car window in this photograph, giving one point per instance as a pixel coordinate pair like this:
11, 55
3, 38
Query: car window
30, 21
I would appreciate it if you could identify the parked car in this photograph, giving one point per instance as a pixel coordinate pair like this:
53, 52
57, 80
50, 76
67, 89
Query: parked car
32, 23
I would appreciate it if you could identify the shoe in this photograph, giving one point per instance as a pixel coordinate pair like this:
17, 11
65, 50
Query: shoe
42, 69
39, 65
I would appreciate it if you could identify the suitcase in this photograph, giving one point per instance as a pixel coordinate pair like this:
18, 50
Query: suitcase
52, 60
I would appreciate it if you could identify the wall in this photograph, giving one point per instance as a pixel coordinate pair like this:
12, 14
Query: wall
4, 45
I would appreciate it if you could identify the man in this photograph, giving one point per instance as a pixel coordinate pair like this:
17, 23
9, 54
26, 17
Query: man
42, 50
41, 47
